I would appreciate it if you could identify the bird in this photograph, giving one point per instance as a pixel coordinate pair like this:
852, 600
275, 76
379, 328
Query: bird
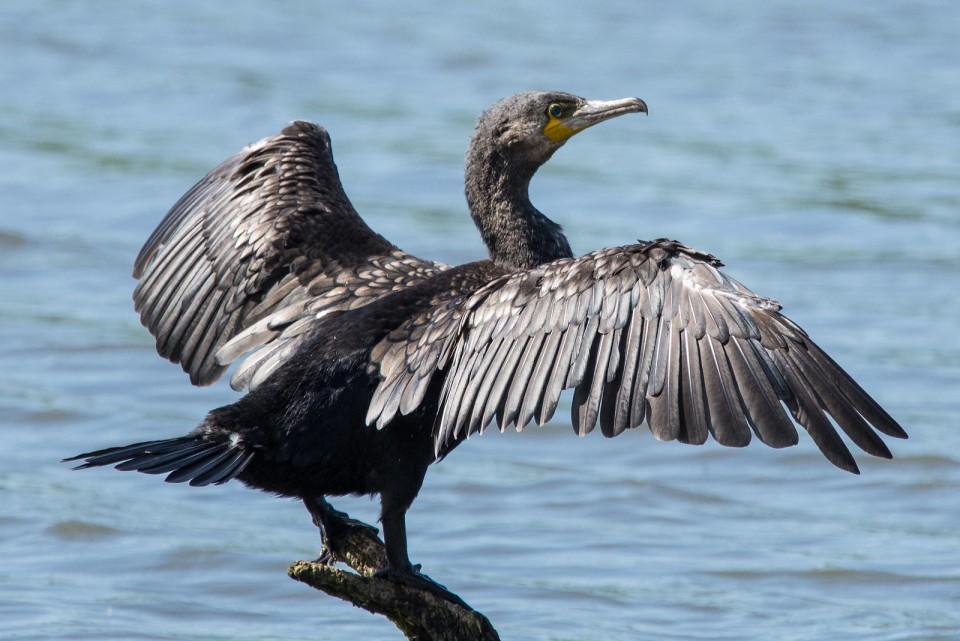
363, 364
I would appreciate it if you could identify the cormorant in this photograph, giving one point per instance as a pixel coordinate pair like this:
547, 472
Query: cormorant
368, 364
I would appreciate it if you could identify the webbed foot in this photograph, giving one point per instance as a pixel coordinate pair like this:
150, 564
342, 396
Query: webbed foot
415, 579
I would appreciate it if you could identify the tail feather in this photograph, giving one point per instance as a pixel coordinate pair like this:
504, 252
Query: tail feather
188, 458
154, 462
115, 454
225, 471
202, 466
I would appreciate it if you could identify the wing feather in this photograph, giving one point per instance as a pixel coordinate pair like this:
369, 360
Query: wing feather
266, 239
582, 353
555, 383
651, 332
586, 396
695, 425
488, 397
806, 408
532, 404
625, 392
521, 374
845, 416
664, 406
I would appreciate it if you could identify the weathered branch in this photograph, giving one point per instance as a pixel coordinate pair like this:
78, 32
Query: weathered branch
419, 613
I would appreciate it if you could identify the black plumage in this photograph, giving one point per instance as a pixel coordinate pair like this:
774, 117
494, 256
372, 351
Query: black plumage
368, 364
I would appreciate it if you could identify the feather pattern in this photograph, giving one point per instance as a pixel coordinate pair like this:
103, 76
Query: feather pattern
189, 458
264, 245
653, 331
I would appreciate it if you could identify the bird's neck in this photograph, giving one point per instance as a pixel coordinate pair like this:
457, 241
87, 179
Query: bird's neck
516, 234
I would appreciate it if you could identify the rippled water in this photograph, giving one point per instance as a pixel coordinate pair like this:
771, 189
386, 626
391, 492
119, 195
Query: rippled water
814, 147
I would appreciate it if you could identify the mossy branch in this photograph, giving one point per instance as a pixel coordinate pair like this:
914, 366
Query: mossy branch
419, 613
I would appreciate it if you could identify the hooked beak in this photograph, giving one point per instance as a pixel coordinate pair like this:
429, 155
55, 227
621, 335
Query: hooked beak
591, 112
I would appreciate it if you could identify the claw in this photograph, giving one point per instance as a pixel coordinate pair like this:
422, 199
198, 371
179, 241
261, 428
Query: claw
335, 528
327, 557
336, 536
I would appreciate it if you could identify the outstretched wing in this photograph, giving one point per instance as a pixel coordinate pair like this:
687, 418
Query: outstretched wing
254, 252
649, 332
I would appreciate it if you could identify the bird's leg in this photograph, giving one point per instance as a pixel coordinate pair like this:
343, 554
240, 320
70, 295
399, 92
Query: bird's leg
334, 527
399, 569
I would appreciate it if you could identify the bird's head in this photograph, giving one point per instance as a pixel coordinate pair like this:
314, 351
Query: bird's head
513, 139
531, 126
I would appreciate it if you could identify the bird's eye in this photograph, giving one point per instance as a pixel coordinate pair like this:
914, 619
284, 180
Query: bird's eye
555, 110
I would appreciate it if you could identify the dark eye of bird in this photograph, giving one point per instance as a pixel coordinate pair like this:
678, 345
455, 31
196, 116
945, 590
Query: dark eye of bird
555, 110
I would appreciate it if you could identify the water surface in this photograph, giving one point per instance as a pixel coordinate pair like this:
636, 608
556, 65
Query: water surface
815, 148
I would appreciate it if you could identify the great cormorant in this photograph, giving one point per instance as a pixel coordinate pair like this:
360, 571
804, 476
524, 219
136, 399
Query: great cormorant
368, 364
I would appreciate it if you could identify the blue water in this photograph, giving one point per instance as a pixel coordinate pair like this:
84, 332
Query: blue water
814, 147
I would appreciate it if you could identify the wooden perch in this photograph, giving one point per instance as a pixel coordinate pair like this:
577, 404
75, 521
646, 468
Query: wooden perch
420, 614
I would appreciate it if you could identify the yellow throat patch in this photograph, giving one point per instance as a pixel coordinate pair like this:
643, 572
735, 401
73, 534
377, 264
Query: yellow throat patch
557, 131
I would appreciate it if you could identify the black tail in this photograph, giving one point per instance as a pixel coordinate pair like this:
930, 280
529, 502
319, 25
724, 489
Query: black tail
188, 458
